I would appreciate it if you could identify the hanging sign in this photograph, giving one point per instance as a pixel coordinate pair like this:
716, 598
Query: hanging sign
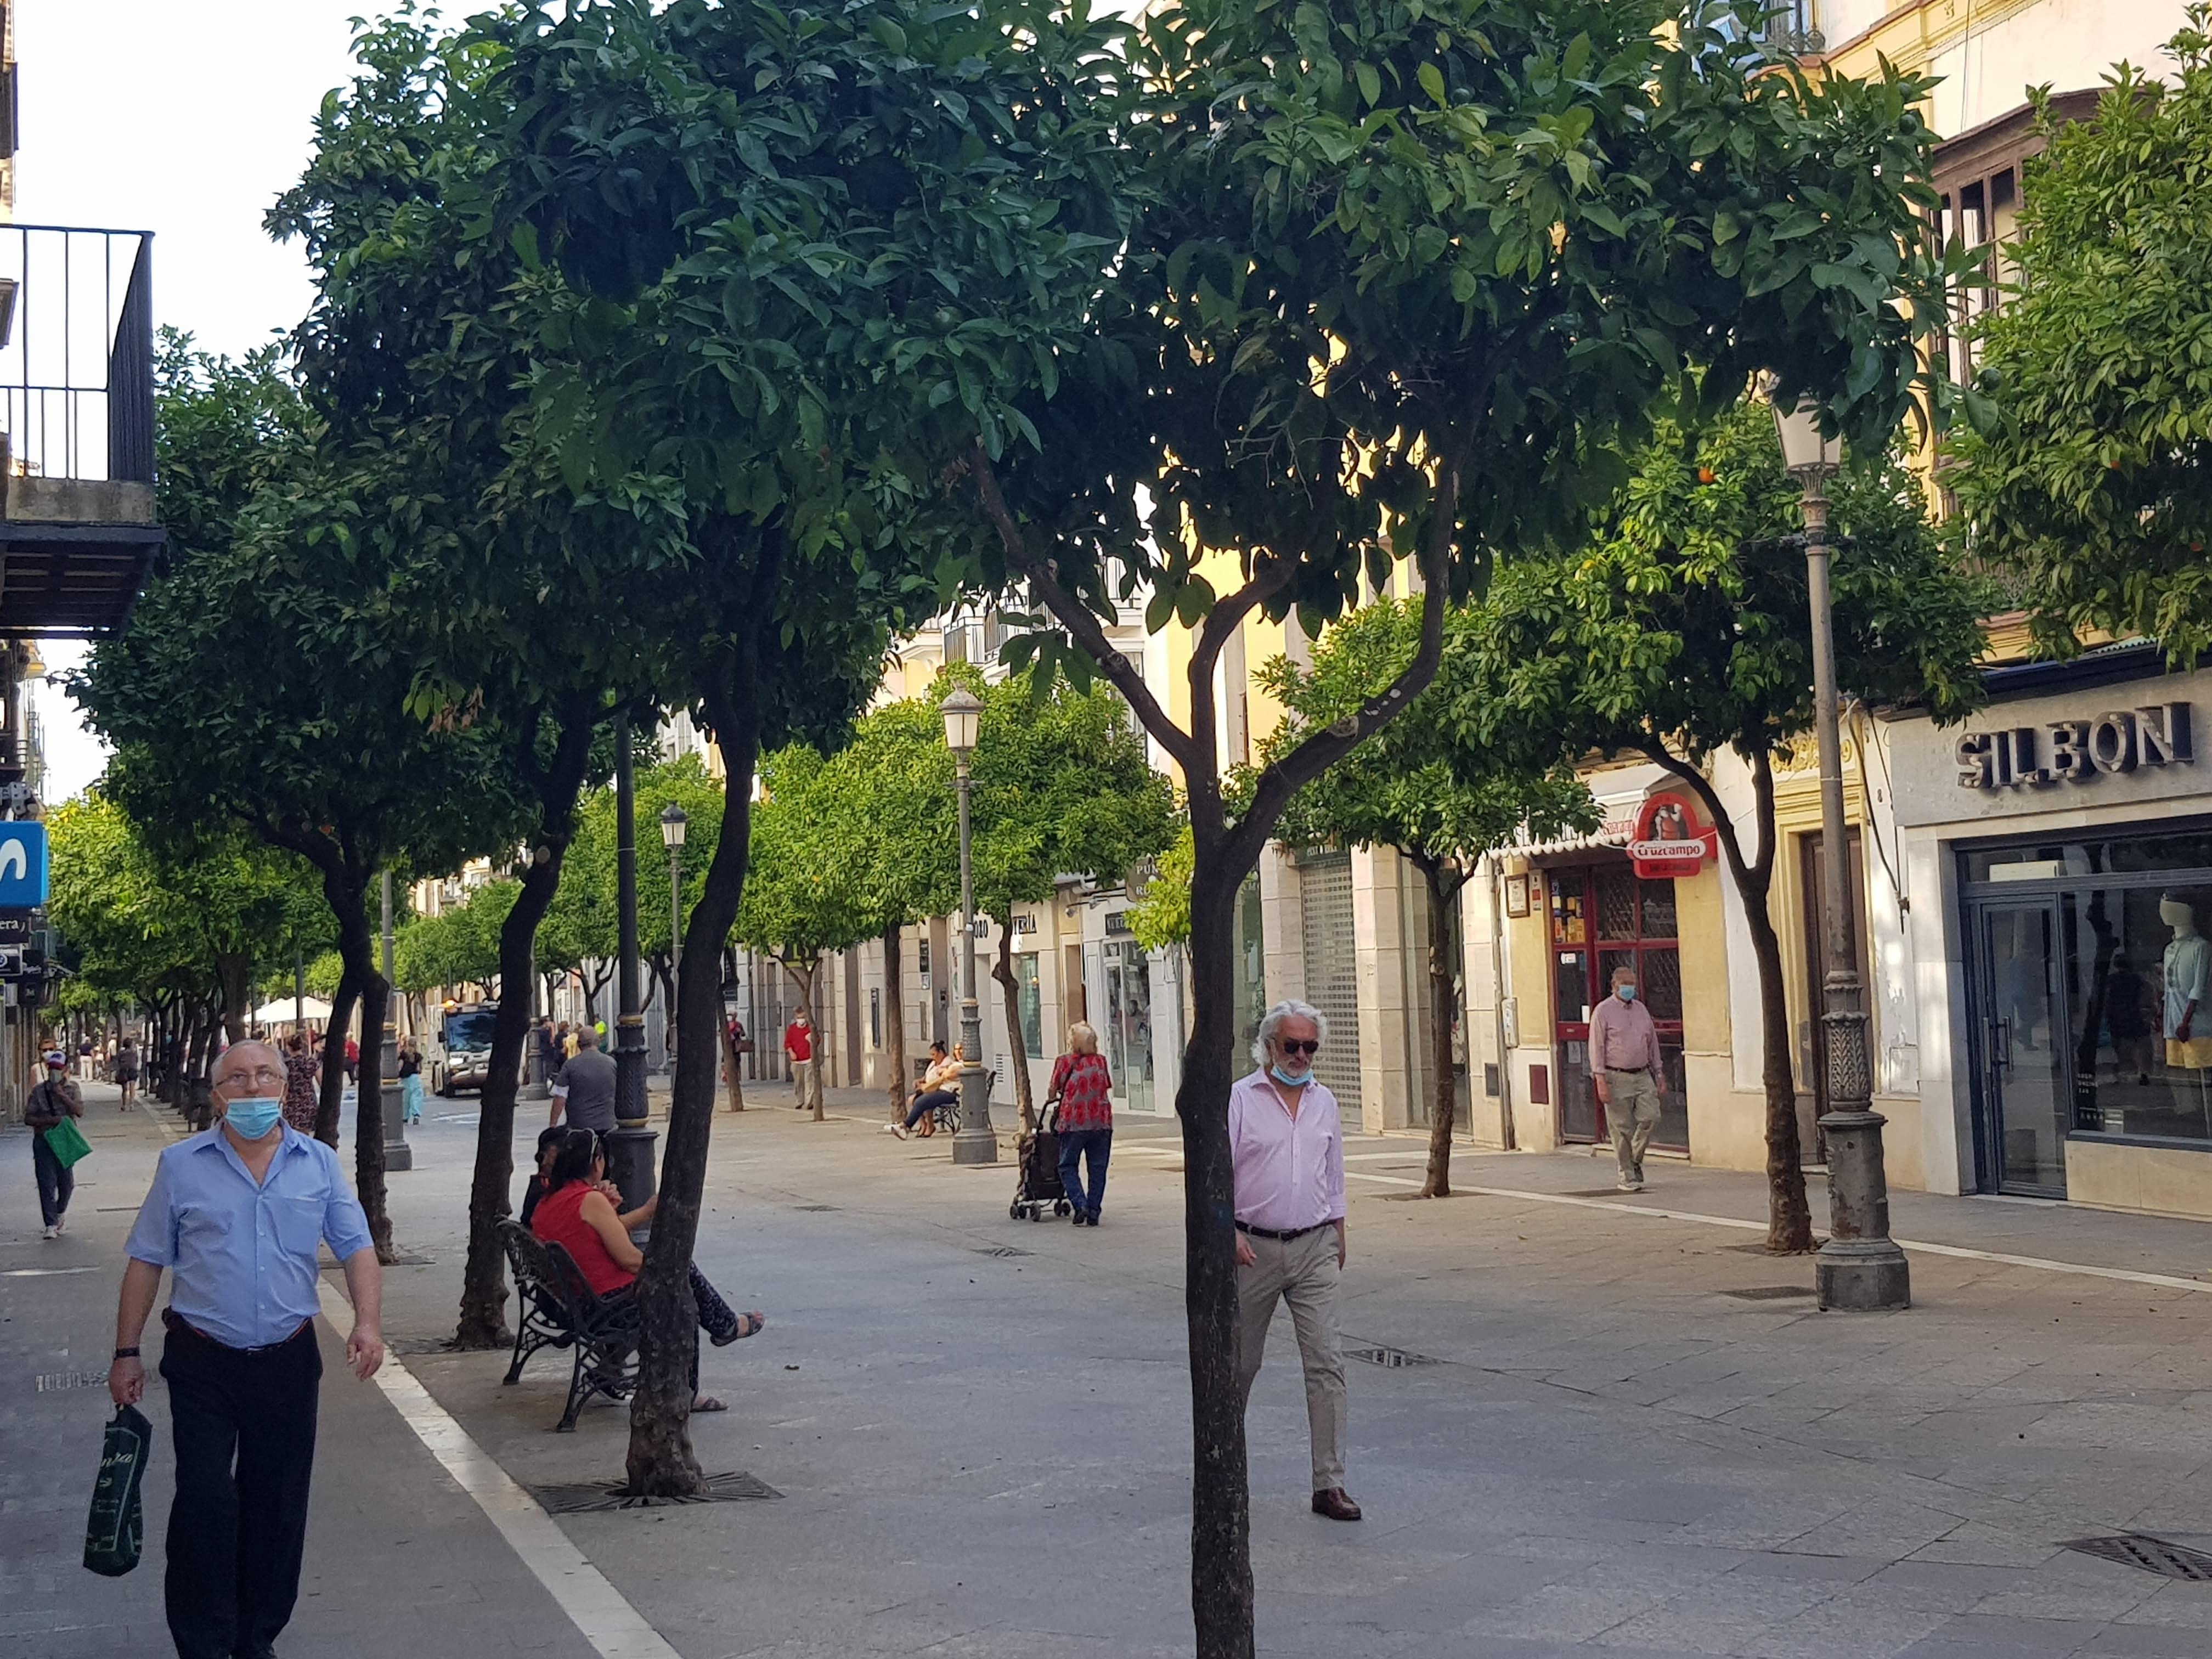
1669, 841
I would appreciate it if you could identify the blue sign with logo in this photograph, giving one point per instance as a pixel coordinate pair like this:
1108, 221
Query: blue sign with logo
23, 863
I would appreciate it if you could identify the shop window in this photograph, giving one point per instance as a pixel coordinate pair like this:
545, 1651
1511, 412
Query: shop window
1028, 994
2137, 967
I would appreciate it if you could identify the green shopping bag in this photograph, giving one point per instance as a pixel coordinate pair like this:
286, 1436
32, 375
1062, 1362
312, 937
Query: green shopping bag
116, 1527
67, 1143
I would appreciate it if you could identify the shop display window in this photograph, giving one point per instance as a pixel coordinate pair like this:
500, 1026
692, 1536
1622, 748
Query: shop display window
2135, 970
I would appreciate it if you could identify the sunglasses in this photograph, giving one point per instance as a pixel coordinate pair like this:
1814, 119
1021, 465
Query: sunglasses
1299, 1046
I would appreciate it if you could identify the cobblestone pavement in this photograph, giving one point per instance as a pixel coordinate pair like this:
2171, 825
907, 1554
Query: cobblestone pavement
979, 1426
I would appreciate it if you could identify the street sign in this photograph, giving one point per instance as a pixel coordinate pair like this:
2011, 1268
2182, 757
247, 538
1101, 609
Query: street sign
23, 863
16, 926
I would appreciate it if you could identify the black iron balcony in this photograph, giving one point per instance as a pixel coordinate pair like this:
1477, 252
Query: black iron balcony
78, 530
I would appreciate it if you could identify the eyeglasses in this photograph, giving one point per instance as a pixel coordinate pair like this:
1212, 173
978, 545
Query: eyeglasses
1299, 1046
261, 1077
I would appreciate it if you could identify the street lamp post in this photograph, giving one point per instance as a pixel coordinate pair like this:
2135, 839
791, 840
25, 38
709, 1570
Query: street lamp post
630, 1148
673, 822
975, 1143
398, 1154
1860, 1268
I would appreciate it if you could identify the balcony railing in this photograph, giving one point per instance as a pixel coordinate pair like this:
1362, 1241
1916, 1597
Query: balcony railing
77, 352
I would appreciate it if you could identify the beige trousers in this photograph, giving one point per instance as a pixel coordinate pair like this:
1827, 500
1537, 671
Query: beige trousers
1302, 1272
806, 1077
1632, 1113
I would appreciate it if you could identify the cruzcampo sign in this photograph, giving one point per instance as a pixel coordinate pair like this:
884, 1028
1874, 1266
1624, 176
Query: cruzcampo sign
2076, 751
1669, 839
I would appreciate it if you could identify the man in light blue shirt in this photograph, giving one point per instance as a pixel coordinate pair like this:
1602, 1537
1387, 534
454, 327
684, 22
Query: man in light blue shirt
235, 1214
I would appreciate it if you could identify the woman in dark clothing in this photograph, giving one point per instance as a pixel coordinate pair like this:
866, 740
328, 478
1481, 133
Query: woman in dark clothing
300, 1084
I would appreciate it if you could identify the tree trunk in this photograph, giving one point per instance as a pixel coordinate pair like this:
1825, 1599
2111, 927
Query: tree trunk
1443, 1004
483, 1278
1790, 1218
234, 971
1221, 1521
660, 1462
895, 1013
331, 1101
1018, 1048
729, 1048
357, 945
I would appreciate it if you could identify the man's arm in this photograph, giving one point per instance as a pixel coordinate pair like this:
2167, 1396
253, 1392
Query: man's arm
365, 1289
1597, 1055
126, 1378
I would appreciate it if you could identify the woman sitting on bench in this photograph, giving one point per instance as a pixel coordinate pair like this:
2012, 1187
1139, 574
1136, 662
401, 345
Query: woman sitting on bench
577, 1213
940, 1087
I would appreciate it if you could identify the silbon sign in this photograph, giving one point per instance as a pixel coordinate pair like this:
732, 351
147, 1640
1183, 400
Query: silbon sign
2077, 751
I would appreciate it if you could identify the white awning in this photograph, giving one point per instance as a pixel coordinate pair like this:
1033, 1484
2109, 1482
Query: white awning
281, 1012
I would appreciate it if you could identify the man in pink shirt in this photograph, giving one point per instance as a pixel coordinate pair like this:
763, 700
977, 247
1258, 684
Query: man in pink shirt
1287, 1148
1624, 1058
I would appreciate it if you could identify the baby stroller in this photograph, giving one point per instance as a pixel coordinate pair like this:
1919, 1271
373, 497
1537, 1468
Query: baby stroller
1038, 1189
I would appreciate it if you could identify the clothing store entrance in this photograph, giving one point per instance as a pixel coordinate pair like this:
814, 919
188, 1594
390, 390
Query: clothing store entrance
2089, 965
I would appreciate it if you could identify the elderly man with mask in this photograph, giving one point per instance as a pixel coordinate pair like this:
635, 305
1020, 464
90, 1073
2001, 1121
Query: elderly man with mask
1286, 1146
235, 1213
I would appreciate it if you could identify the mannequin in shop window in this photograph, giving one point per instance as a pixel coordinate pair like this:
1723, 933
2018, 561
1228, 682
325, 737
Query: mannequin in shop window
2186, 968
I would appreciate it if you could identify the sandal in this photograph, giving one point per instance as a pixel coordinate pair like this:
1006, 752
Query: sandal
706, 1402
749, 1324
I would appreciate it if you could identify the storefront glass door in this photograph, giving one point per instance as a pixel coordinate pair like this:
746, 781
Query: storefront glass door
1129, 1023
1604, 917
2023, 1048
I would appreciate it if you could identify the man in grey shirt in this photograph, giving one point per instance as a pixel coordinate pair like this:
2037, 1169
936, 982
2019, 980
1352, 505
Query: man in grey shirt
585, 1089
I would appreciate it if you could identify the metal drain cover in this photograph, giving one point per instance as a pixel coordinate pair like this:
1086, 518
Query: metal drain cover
1768, 1292
816, 1209
53, 1381
598, 1496
1382, 1354
1004, 1250
2135, 1549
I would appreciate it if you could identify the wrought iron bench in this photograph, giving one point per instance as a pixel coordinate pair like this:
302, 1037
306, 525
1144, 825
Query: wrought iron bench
559, 1309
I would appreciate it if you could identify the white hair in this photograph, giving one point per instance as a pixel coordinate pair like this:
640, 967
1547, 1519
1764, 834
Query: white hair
1272, 1021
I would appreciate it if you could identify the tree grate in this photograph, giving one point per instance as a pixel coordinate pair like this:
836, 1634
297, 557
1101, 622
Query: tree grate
1393, 1359
1768, 1292
1003, 1251
601, 1497
2136, 1549
816, 1209
54, 1382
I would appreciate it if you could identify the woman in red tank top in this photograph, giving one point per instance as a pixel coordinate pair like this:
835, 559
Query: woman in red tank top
577, 1213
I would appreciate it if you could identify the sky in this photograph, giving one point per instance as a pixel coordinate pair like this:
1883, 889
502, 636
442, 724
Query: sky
186, 120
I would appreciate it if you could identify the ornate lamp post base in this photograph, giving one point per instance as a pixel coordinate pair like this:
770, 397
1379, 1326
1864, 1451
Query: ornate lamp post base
1860, 1269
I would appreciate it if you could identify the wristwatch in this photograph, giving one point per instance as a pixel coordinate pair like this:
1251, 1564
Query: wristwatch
126, 1353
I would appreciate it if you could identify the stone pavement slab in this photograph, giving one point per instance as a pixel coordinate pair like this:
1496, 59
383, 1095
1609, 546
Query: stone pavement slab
987, 1453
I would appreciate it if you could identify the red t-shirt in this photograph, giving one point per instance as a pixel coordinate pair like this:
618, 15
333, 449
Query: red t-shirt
558, 1221
799, 1041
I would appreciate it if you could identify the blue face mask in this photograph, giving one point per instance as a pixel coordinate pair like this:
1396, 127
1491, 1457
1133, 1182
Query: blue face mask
1626, 993
1289, 1081
254, 1118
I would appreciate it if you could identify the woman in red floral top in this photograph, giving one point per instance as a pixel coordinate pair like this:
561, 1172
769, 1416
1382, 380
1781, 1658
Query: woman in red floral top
1085, 1120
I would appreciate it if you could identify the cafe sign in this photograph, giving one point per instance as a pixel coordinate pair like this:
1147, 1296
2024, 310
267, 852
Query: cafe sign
1669, 841
2076, 751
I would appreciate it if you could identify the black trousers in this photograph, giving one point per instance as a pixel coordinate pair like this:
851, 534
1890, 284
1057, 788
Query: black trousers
245, 1427
57, 1180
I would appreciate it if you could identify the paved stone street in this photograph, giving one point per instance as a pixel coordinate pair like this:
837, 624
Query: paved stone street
1617, 1451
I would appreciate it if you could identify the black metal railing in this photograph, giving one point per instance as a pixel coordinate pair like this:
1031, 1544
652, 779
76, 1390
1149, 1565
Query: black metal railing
77, 352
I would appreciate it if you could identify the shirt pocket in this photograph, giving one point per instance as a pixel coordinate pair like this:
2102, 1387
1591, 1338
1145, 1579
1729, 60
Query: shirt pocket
299, 1224
204, 1224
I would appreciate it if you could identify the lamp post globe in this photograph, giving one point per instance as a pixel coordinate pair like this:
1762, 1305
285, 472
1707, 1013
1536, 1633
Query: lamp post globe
975, 1143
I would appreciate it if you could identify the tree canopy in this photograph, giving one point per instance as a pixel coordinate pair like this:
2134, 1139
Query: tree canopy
2087, 473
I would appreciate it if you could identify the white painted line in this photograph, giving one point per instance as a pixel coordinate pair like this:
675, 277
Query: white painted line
45, 1272
615, 1629
2129, 1275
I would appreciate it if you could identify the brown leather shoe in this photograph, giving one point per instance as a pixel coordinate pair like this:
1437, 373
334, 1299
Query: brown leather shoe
1335, 1504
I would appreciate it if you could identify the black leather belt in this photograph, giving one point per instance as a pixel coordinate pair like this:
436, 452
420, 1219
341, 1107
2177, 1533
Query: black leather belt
1269, 1232
177, 1324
